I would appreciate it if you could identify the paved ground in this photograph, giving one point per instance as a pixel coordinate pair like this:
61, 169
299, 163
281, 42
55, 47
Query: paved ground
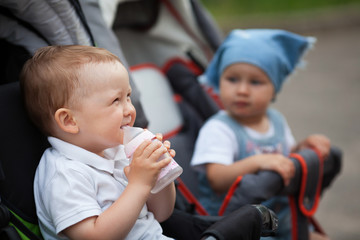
325, 98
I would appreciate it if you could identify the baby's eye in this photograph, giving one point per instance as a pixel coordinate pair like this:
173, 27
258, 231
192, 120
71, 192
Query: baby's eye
128, 97
116, 100
232, 79
256, 82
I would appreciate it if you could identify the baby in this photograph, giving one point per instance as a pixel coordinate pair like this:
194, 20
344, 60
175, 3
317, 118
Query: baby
248, 136
84, 187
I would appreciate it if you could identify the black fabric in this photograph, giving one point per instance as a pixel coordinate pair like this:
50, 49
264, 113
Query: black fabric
9, 233
4, 216
270, 221
137, 15
20, 150
332, 167
244, 224
302, 222
184, 82
182, 203
256, 188
12, 59
184, 226
312, 181
309, 189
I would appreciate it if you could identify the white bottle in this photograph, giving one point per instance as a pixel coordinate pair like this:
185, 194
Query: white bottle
133, 137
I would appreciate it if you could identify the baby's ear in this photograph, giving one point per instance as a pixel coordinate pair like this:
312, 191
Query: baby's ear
65, 119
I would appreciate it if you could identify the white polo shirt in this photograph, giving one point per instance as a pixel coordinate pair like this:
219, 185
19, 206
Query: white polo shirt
72, 184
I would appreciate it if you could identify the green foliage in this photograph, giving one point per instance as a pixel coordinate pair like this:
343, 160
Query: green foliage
224, 8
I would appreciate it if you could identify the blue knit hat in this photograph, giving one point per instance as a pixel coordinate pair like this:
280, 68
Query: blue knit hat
276, 52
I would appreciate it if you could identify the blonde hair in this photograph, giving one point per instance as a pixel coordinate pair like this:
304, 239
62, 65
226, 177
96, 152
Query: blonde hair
50, 78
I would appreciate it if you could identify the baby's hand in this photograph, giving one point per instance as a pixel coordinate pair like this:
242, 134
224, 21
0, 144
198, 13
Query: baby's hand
167, 144
319, 142
278, 163
144, 168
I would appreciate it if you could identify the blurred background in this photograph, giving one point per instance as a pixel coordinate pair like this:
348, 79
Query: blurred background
304, 15
322, 98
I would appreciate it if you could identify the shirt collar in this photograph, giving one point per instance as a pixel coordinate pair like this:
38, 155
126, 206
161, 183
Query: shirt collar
75, 153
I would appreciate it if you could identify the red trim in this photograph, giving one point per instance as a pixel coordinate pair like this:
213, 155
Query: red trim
172, 133
321, 172
292, 200
197, 71
294, 227
145, 65
302, 162
318, 190
190, 197
317, 226
189, 64
229, 195
178, 98
214, 96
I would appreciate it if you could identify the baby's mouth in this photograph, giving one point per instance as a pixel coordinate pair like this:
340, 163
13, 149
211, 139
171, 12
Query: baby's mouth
241, 104
124, 126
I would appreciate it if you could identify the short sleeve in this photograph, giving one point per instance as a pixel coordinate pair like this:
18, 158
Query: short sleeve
70, 198
216, 143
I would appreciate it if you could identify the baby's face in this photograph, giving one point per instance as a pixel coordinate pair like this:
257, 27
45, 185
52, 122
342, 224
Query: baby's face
106, 107
245, 91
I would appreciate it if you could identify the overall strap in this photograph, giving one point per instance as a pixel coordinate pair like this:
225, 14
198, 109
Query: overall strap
243, 138
238, 130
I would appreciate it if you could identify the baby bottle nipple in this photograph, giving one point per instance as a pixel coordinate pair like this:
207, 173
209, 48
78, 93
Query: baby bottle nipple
133, 137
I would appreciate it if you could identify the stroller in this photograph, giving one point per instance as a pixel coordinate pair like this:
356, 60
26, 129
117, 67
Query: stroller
83, 22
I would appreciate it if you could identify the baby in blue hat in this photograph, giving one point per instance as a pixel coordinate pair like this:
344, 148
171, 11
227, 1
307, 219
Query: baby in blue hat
275, 52
248, 136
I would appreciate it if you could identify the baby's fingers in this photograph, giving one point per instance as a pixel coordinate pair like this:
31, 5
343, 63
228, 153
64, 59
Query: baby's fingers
150, 148
288, 172
164, 162
167, 144
172, 153
321, 143
324, 148
159, 137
